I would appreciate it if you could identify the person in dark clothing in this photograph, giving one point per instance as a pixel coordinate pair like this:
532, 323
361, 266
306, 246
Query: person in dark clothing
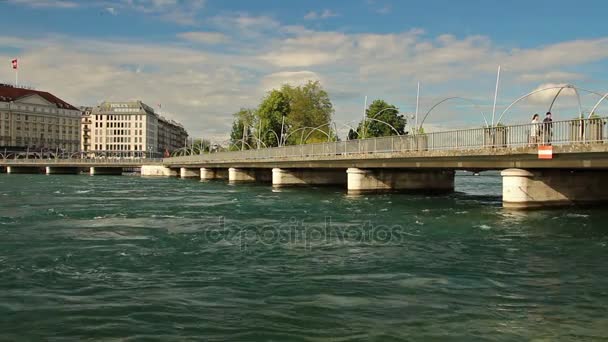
547, 129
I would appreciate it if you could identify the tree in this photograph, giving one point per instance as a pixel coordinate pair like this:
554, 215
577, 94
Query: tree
380, 115
269, 117
309, 106
240, 136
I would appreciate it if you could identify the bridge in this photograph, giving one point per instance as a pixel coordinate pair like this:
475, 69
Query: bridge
565, 163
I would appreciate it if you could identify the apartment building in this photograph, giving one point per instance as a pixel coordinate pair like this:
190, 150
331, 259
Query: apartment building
37, 120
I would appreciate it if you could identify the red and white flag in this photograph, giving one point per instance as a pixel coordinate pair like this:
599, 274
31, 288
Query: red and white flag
15, 63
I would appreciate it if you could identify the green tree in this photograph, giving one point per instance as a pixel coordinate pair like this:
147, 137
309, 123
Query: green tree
241, 137
269, 117
309, 106
380, 115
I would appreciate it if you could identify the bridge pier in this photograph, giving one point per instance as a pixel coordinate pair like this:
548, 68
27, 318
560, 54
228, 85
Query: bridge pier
157, 171
372, 180
105, 171
249, 175
185, 172
23, 169
61, 170
2, 169
526, 189
213, 173
302, 177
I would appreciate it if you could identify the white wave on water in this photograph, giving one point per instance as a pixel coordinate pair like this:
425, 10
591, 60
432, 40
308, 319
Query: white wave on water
577, 215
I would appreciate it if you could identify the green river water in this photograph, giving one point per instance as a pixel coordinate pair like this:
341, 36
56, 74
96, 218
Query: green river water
137, 259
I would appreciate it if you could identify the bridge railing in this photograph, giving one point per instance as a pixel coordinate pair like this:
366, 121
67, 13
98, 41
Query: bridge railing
579, 131
84, 161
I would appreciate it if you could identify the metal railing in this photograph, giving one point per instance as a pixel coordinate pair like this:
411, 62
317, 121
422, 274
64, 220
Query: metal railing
77, 161
579, 131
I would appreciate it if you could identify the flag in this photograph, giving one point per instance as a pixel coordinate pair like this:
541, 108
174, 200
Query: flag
15, 63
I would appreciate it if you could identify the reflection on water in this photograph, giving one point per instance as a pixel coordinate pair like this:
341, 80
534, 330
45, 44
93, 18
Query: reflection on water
170, 259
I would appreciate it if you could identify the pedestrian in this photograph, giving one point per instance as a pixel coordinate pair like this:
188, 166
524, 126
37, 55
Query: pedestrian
547, 128
534, 130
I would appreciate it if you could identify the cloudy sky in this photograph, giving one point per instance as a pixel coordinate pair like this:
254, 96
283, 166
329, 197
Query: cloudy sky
204, 59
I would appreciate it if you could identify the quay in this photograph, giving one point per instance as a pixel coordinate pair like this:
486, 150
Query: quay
576, 171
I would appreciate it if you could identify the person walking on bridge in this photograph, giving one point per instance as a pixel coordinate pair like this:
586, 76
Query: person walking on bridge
534, 130
547, 129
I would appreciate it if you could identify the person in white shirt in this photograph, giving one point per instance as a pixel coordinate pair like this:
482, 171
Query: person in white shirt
534, 130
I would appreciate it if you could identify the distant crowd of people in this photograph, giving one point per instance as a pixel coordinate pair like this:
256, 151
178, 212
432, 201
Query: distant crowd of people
540, 132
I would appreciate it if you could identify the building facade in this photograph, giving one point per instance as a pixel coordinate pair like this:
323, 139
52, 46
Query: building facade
171, 136
37, 121
127, 129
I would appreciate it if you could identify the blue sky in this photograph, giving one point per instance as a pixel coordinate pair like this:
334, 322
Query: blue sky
204, 59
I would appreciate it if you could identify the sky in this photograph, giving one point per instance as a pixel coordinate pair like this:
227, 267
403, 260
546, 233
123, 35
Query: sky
203, 60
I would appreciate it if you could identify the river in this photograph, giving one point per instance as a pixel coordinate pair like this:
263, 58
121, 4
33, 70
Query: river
129, 258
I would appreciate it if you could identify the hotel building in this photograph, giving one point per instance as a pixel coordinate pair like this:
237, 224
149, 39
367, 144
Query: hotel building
37, 120
129, 129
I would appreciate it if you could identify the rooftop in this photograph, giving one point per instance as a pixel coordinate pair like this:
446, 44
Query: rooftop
9, 93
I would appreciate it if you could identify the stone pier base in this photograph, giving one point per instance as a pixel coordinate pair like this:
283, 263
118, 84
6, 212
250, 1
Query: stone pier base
211, 173
527, 189
371, 180
249, 175
59, 170
189, 173
99, 171
303, 177
23, 169
157, 171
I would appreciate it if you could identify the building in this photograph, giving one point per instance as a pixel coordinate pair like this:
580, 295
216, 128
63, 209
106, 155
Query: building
171, 136
85, 128
37, 121
128, 129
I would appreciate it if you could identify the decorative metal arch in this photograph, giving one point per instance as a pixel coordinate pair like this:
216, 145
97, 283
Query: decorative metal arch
317, 129
347, 126
243, 141
552, 102
259, 141
578, 96
385, 109
276, 135
597, 105
386, 123
448, 99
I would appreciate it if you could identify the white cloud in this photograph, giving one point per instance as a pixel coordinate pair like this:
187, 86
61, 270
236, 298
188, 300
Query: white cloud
184, 12
180, 12
325, 14
293, 78
551, 76
46, 3
204, 37
546, 96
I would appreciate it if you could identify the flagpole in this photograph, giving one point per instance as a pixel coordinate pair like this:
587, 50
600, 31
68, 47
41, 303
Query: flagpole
16, 77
